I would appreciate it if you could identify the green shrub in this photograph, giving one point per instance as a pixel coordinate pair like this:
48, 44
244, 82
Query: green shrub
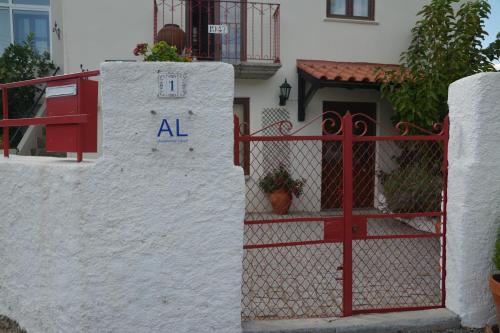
496, 255
412, 189
446, 46
21, 62
160, 51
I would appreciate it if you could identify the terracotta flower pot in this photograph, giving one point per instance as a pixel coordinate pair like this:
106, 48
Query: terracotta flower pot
172, 34
495, 290
281, 200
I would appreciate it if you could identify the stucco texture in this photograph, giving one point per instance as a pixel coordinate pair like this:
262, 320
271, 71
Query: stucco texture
148, 238
473, 196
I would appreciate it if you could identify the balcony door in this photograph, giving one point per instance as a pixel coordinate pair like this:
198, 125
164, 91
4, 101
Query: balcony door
217, 29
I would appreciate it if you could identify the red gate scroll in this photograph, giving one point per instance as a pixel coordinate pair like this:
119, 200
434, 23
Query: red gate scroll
382, 256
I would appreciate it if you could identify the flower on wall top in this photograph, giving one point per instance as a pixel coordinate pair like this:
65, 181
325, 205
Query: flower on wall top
161, 51
141, 49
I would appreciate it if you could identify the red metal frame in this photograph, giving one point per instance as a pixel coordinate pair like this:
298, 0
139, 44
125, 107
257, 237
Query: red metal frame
79, 120
347, 203
446, 134
350, 136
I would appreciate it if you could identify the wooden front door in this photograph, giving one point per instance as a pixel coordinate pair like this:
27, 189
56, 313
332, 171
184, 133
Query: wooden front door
363, 160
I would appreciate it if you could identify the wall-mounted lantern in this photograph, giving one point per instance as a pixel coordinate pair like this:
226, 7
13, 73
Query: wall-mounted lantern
57, 30
285, 89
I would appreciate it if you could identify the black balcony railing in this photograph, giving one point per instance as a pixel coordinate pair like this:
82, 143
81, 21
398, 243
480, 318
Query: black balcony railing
222, 30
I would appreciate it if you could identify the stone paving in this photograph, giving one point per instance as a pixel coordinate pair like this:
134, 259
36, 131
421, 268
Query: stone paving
305, 281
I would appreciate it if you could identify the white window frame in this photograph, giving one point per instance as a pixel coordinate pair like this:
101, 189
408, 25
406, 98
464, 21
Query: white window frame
12, 7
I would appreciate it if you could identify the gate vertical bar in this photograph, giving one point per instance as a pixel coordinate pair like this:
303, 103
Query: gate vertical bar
347, 204
236, 148
155, 22
446, 134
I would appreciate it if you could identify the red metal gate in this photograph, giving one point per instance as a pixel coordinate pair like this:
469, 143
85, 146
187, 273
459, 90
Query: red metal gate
380, 256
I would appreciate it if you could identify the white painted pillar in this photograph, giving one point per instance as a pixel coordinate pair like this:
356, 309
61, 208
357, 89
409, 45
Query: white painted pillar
473, 195
146, 238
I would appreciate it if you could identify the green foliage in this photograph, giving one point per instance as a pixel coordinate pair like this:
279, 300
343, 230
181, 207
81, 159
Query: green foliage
496, 255
281, 179
8, 325
415, 185
160, 51
21, 62
445, 47
412, 189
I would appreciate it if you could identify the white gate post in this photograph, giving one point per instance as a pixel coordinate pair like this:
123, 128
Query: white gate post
146, 238
473, 195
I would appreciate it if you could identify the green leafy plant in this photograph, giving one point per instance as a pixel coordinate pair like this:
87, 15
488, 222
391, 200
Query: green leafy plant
21, 62
412, 189
445, 46
161, 51
496, 254
8, 325
280, 179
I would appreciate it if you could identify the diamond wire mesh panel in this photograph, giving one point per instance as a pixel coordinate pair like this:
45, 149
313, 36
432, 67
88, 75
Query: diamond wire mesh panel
281, 280
401, 266
292, 282
274, 153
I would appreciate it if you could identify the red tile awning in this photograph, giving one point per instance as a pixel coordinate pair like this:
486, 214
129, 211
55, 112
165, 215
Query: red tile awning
322, 74
362, 72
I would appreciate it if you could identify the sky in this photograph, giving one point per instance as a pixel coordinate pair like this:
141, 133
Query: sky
493, 24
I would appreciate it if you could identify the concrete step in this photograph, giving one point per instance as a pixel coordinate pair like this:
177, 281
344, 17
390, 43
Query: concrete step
400, 322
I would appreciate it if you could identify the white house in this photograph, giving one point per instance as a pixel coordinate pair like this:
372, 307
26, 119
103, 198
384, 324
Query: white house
327, 50
340, 33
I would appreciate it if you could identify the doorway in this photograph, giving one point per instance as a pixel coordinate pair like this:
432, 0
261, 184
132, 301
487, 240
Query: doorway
363, 160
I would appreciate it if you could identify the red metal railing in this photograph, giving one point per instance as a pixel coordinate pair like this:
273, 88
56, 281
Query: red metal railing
249, 30
368, 233
79, 119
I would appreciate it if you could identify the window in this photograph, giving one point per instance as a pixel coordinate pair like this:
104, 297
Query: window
353, 9
19, 18
32, 2
36, 22
5, 32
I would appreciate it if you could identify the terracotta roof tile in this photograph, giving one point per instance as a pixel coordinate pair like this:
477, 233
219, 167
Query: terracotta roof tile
342, 71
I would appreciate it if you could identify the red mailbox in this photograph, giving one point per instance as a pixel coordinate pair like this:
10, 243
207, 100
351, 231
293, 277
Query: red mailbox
68, 98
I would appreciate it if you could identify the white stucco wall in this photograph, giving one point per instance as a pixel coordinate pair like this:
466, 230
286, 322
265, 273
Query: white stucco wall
148, 238
473, 196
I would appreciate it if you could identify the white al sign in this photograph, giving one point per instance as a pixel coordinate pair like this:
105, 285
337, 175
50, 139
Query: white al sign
171, 85
218, 29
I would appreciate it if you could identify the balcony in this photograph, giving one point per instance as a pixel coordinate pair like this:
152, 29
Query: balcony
243, 33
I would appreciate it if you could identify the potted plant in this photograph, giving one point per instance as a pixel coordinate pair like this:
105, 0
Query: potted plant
173, 35
161, 51
279, 186
495, 278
